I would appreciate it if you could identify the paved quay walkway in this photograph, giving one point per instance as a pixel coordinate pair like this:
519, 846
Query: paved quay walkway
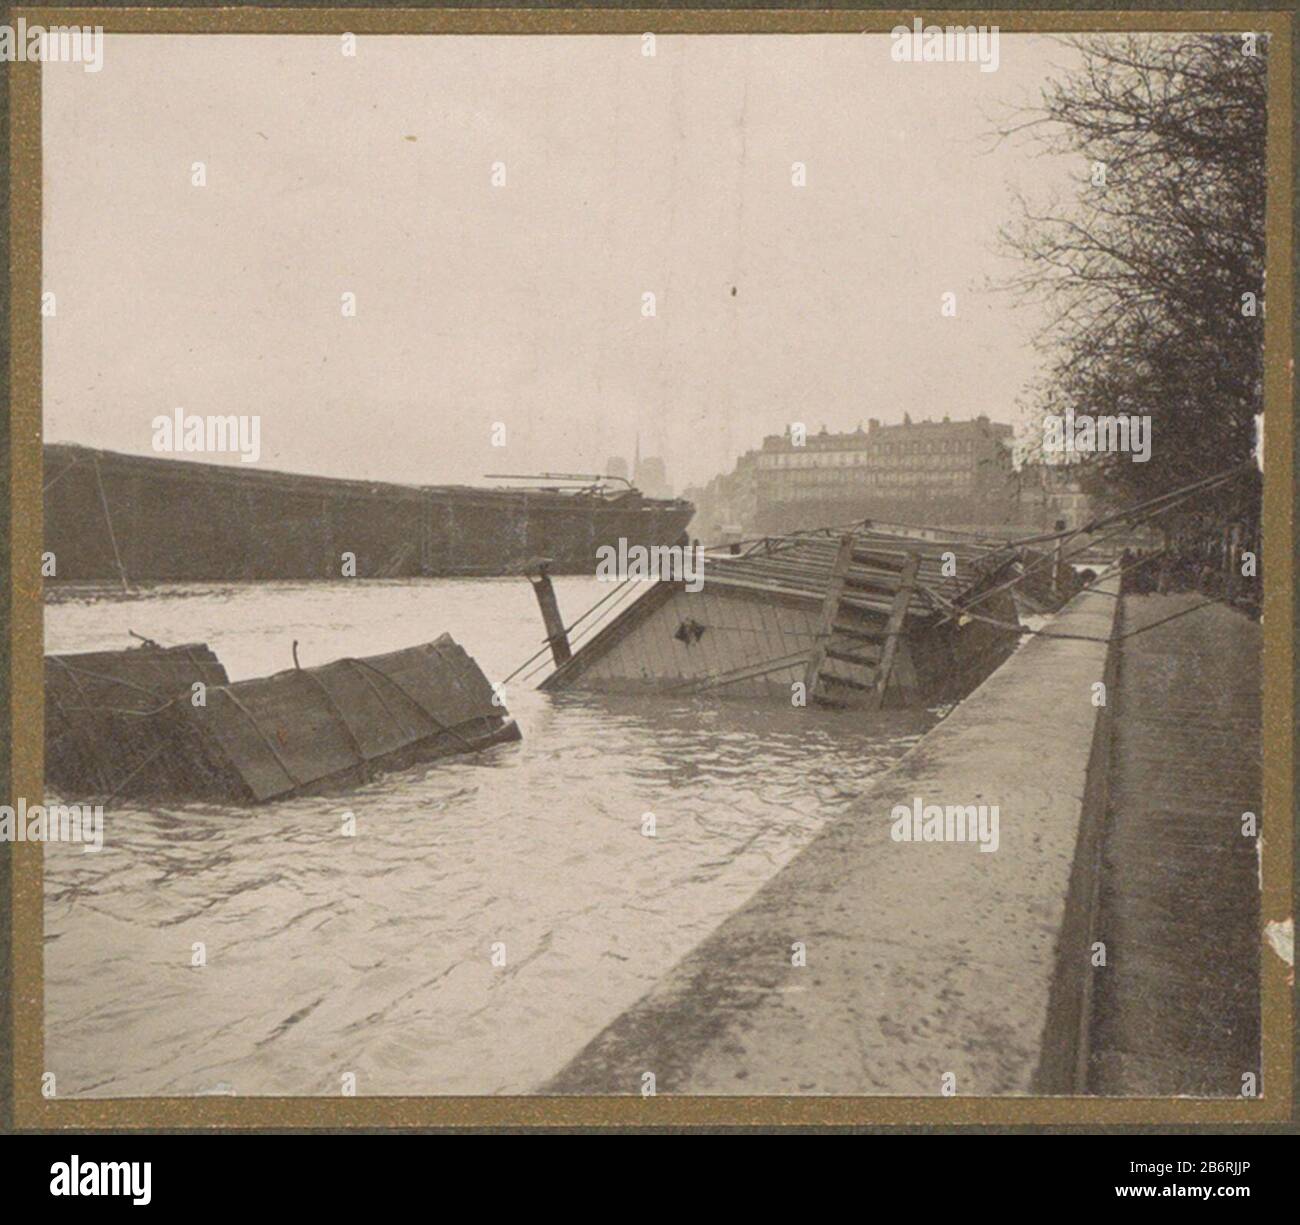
1176, 1010
930, 966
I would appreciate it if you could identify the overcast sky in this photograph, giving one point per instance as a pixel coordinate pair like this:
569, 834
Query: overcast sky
522, 304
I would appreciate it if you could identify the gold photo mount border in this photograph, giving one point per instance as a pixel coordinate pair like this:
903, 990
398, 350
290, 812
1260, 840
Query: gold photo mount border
32, 1110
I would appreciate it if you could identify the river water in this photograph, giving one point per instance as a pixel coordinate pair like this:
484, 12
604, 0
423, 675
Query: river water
372, 956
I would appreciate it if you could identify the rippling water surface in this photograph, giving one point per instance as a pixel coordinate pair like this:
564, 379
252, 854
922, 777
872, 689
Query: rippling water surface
372, 955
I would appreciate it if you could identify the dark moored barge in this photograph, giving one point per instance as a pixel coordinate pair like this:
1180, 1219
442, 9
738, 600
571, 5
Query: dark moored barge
110, 516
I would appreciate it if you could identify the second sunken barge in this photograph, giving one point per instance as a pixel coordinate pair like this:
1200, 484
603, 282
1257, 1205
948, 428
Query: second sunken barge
859, 618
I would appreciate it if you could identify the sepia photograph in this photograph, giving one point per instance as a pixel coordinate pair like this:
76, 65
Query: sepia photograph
649, 568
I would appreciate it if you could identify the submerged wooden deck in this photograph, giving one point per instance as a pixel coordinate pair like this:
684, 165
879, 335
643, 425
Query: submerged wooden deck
858, 618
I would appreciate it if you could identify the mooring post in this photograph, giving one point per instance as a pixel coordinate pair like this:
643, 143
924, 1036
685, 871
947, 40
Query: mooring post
546, 601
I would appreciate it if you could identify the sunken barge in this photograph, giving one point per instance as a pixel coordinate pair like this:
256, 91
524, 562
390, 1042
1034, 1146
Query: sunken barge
167, 722
115, 517
857, 618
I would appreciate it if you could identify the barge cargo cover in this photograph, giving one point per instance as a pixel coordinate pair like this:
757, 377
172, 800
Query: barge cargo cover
166, 722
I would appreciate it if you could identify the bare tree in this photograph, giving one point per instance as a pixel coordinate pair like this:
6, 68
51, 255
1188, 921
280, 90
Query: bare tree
1153, 273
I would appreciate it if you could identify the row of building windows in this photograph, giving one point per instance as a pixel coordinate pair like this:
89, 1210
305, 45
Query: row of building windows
936, 476
799, 458
919, 463
881, 488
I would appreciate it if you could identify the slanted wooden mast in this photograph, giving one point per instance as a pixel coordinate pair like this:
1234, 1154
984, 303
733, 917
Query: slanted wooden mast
556, 635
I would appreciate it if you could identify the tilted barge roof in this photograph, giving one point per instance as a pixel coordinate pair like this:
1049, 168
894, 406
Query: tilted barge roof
799, 566
847, 613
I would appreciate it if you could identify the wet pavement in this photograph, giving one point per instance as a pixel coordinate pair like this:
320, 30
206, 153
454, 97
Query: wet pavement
1176, 1010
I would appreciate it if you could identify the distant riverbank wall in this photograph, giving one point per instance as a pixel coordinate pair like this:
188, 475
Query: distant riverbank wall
874, 965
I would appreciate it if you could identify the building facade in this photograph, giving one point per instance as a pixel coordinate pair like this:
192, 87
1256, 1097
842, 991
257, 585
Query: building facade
726, 508
1052, 494
648, 473
955, 473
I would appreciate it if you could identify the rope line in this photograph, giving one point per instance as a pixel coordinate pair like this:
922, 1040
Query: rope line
546, 642
1033, 633
1182, 495
618, 595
